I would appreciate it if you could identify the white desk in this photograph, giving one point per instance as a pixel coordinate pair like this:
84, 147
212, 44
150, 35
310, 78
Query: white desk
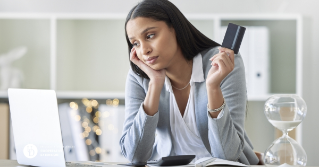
14, 163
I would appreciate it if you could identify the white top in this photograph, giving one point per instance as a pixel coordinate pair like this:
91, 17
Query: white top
186, 137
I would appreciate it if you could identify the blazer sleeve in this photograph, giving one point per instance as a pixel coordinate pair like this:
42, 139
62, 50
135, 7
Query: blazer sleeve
138, 134
226, 132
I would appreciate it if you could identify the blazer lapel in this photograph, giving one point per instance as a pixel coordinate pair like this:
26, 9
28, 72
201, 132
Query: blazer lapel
200, 100
163, 125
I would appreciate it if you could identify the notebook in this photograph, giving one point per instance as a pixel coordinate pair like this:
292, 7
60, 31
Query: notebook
211, 161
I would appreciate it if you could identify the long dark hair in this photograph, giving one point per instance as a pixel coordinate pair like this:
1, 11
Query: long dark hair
189, 39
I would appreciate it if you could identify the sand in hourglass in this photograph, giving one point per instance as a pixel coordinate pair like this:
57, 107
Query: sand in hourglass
283, 125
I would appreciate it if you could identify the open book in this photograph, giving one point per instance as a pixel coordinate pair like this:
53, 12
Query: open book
211, 161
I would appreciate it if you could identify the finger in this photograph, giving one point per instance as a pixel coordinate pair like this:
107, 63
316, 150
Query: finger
222, 49
216, 61
134, 58
221, 64
216, 55
227, 60
212, 58
229, 52
231, 56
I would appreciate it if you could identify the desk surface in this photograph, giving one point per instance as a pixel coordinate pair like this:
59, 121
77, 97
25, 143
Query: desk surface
14, 163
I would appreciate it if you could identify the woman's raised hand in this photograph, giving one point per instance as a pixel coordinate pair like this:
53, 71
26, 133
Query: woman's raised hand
154, 75
222, 65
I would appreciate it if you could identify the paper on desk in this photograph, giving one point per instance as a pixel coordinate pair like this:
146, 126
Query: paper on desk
211, 161
225, 162
188, 165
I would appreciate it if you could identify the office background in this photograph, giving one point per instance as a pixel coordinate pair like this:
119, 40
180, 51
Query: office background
70, 72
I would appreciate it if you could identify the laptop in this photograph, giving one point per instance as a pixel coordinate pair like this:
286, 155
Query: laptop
36, 129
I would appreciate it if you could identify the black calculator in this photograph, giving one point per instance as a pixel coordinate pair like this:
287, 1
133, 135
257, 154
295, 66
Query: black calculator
172, 160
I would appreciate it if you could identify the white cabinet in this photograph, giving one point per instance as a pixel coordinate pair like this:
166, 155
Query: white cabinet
86, 56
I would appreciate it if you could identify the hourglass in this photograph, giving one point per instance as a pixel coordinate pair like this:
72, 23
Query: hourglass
285, 112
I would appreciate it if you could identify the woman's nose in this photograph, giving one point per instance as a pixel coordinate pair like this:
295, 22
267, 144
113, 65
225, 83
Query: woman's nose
146, 49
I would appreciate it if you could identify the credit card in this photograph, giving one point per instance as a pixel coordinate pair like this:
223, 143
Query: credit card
233, 37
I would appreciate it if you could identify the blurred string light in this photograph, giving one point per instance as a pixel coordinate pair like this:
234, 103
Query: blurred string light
94, 103
109, 102
85, 134
88, 129
74, 105
86, 120
86, 102
85, 124
90, 121
114, 102
90, 115
98, 150
95, 127
88, 141
98, 131
97, 114
89, 109
96, 120
92, 152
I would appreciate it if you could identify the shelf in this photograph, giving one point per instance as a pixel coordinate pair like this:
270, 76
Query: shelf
88, 52
207, 27
92, 55
80, 95
89, 95
34, 66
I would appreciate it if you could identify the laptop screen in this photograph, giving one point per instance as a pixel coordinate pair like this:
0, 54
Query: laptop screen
36, 127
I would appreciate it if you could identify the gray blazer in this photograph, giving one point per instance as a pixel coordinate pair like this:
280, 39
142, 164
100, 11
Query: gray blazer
147, 137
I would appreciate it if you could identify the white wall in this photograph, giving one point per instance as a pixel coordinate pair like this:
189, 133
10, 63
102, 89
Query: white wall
308, 9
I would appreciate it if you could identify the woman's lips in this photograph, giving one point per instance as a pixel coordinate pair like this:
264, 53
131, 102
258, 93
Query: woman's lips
151, 60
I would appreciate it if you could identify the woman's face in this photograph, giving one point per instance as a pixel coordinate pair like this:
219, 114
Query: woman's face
153, 39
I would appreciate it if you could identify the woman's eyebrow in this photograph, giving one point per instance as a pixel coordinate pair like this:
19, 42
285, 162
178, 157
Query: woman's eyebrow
149, 28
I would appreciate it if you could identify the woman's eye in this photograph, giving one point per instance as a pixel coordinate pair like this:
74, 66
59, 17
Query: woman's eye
150, 36
135, 44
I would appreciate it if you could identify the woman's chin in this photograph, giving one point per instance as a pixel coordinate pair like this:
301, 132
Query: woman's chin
156, 67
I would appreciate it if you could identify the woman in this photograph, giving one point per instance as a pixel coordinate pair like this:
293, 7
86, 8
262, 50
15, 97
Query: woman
185, 95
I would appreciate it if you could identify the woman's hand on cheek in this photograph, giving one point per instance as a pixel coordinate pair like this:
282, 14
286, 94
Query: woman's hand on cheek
222, 65
154, 75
